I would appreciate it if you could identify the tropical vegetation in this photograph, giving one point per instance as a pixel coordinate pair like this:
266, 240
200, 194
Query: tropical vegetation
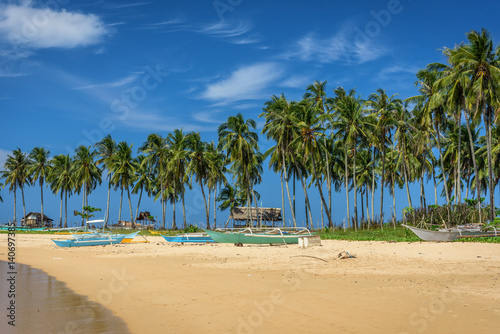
447, 135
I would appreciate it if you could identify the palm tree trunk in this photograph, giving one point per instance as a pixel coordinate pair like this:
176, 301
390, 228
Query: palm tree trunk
382, 183
490, 166
66, 209
406, 182
207, 214
306, 200
282, 199
121, 200
330, 222
346, 176
393, 202
132, 220
15, 207
61, 210
215, 207
24, 205
41, 197
184, 223
373, 189
438, 141
292, 206
474, 163
174, 225
107, 205
458, 186
355, 189
435, 186
138, 204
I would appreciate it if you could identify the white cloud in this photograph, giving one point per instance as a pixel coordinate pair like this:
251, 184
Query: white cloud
118, 83
147, 120
296, 82
388, 72
342, 47
226, 29
246, 83
38, 28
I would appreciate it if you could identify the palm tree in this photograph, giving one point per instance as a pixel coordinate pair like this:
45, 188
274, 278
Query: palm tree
199, 165
177, 169
310, 143
157, 156
216, 175
106, 149
143, 180
87, 174
123, 167
480, 60
239, 142
62, 180
352, 123
16, 175
230, 198
384, 107
39, 170
278, 113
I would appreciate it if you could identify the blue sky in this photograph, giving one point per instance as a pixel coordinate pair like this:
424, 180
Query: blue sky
73, 71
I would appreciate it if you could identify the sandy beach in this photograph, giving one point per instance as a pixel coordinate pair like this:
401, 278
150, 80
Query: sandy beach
219, 288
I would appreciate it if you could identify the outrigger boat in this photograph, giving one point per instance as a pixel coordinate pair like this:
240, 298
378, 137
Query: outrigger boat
21, 228
189, 237
260, 236
452, 233
95, 241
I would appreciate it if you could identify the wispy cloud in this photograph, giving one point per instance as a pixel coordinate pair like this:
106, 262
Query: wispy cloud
296, 82
127, 5
114, 84
341, 47
33, 27
388, 72
232, 31
245, 83
152, 120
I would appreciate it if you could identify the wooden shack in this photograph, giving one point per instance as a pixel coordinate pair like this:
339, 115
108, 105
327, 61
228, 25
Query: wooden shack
268, 217
146, 218
34, 219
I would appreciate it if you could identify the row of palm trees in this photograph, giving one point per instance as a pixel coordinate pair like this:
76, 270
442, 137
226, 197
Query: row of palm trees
330, 142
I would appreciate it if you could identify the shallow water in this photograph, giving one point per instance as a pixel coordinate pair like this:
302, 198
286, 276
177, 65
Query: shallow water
46, 305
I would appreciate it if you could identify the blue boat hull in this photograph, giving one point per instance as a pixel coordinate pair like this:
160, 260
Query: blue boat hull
188, 239
87, 242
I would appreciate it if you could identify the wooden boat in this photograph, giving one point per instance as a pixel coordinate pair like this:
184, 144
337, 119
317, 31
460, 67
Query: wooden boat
127, 238
189, 237
450, 234
260, 236
21, 228
96, 241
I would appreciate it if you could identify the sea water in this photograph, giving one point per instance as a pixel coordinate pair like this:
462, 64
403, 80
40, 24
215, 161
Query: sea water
46, 305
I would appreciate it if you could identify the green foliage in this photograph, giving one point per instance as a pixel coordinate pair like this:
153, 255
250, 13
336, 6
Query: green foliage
87, 212
449, 215
191, 229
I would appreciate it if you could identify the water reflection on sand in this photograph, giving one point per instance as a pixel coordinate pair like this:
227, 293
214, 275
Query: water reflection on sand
46, 305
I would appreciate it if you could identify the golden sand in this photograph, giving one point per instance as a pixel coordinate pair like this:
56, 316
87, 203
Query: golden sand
219, 288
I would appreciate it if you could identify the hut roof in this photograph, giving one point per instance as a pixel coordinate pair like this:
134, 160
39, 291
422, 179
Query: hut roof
38, 216
144, 215
240, 213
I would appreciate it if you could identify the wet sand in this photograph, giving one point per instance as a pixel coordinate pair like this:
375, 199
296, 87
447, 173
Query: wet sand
220, 288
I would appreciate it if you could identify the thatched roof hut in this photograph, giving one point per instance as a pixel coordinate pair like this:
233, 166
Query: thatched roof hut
268, 216
144, 215
34, 219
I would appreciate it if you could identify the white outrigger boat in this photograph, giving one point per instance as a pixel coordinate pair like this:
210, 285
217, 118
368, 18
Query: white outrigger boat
452, 233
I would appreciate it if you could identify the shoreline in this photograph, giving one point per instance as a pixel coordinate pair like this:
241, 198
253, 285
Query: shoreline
217, 288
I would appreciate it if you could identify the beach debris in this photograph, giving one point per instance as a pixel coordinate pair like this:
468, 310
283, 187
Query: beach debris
346, 255
314, 257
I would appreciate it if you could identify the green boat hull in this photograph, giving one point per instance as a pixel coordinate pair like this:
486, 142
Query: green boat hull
253, 238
